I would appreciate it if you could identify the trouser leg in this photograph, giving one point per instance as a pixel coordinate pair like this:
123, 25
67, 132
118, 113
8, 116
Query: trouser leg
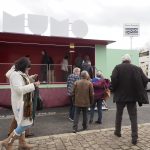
92, 112
72, 108
34, 102
119, 113
84, 111
65, 75
99, 109
76, 118
53, 76
132, 110
44, 73
20, 129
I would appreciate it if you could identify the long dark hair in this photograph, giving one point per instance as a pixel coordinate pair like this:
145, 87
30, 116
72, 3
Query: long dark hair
22, 63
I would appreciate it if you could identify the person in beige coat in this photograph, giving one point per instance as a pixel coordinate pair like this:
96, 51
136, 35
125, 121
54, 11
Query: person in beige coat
21, 100
83, 97
13, 124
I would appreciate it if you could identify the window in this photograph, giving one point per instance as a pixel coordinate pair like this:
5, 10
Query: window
144, 54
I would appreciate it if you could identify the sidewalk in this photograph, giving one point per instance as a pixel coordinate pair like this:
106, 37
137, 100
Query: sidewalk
102, 139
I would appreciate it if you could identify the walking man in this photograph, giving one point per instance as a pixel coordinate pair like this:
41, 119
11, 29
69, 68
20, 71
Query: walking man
83, 93
128, 83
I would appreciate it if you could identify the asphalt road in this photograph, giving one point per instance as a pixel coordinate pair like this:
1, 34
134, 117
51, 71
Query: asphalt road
55, 120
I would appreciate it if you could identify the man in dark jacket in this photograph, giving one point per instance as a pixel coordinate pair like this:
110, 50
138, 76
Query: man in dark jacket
128, 83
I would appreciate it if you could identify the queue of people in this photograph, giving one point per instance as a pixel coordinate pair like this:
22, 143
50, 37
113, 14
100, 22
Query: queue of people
128, 85
84, 91
48, 72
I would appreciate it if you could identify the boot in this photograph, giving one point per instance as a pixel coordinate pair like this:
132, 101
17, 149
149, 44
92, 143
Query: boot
23, 144
28, 133
7, 143
12, 126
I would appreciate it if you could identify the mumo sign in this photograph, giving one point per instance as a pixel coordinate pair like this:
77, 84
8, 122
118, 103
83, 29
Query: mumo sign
41, 25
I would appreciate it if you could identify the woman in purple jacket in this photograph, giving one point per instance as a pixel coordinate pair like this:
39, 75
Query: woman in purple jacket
99, 84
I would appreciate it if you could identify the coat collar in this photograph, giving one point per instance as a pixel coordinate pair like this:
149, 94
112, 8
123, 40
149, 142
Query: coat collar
24, 75
21, 73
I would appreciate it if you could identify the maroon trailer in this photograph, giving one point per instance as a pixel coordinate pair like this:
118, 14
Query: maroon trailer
13, 46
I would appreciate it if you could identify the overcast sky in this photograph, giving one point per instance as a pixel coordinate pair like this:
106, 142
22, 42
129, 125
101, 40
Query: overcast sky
105, 18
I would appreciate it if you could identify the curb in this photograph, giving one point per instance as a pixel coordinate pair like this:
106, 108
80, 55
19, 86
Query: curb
84, 132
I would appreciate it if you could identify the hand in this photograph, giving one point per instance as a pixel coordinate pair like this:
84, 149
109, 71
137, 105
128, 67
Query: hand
36, 84
35, 76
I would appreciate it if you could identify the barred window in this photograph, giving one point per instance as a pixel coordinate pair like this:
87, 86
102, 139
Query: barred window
141, 54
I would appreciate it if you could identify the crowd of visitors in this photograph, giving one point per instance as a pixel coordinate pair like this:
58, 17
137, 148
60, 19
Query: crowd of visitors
84, 90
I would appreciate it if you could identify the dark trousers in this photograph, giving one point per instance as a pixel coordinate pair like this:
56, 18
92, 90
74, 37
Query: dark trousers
64, 76
99, 110
132, 111
72, 108
34, 102
76, 117
44, 73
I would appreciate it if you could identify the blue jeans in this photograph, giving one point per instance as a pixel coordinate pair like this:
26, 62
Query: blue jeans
99, 110
20, 129
72, 108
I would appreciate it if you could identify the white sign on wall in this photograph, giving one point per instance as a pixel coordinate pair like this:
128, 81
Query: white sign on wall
131, 29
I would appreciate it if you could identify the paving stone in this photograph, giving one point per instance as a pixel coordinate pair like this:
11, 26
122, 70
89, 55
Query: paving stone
102, 139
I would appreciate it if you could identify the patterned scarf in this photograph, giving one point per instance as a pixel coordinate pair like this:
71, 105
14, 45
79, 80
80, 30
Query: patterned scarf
27, 98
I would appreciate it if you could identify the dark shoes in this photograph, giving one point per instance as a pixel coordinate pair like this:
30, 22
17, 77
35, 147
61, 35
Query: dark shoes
134, 142
91, 121
84, 128
117, 134
98, 122
29, 134
74, 131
